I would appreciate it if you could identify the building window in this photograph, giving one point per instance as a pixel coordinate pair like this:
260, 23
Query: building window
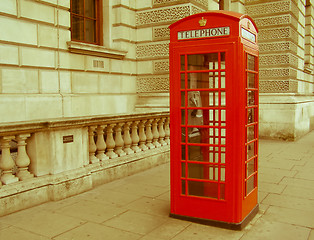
86, 21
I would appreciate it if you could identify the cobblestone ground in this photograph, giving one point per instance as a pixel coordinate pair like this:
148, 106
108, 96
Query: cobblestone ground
137, 207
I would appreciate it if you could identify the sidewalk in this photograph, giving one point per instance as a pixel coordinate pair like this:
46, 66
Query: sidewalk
137, 207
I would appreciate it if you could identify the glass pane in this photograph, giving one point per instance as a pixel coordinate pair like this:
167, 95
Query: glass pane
183, 152
222, 191
77, 28
250, 184
195, 117
207, 61
183, 136
251, 80
183, 187
90, 8
196, 153
183, 170
182, 117
250, 167
223, 117
213, 99
182, 99
222, 174
251, 98
250, 150
182, 81
182, 61
250, 62
223, 155
203, 189
77, 6
213, 154
213, 117
223, 79
203, 80
223, 60
250, 115
250, 133
90, 31
223, 99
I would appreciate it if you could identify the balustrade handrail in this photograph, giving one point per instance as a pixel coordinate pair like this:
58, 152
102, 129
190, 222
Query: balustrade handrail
12, 128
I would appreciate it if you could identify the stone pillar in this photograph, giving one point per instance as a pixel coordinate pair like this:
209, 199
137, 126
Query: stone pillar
101, 144
135, 137
149, 134
92, 145
161, 131
167, 130
22, 161
110, 142
142, 136
156, 133
119, 140
127, 138
6, 161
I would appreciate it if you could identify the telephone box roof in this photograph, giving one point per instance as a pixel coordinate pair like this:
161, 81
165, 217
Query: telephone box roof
227, 14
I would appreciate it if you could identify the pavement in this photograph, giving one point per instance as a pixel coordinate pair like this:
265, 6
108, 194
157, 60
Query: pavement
137, 207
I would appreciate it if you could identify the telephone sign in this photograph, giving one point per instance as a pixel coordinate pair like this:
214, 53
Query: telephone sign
214, 118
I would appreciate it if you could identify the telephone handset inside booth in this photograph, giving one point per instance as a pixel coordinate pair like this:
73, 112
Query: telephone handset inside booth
195, 115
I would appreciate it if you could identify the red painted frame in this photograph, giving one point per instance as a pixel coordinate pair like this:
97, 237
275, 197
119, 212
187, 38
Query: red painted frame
237, 204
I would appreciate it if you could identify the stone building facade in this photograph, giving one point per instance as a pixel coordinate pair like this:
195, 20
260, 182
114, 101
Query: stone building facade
44, 74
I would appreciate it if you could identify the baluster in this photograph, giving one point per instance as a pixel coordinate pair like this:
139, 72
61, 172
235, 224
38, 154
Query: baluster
135, 138
6, 161
149, 134
161, 131
22, 160
101, 144
142, 135
156, 133
92, 145
127, 138
167, 131
110, 142
119, 140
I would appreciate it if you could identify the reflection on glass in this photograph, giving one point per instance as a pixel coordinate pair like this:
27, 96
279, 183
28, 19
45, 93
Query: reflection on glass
250, 98
77, 6
250, 115
182, 81
90, 30
250, 168
182, 61
250, 62
250, 133
207, 61
250, 149
250, 184
203, 189
251, 80
198, 80
77, 28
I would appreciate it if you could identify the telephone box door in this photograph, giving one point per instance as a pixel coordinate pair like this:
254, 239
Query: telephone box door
202, 167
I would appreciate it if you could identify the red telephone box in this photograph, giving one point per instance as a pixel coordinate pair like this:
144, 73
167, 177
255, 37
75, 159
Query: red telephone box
214, 118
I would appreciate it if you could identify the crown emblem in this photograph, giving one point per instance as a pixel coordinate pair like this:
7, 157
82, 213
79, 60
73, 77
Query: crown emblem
202, 22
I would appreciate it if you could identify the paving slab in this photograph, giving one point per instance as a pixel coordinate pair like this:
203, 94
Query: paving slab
14, 233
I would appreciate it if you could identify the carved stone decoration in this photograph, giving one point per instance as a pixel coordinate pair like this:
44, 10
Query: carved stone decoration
101, 144
278, 59
92, 145
6, 161
22, 160
127, 138
162, 15
161, 33
119, 140
277, 72
152, 50
110, 142
278, 33
278, 47
204, 3
278, 86
268, 8
161, 66
153, 84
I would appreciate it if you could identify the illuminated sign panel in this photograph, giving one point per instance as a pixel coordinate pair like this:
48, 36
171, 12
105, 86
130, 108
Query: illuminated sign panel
248, 35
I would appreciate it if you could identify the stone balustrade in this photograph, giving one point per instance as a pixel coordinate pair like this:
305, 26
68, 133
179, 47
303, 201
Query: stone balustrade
60, 155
